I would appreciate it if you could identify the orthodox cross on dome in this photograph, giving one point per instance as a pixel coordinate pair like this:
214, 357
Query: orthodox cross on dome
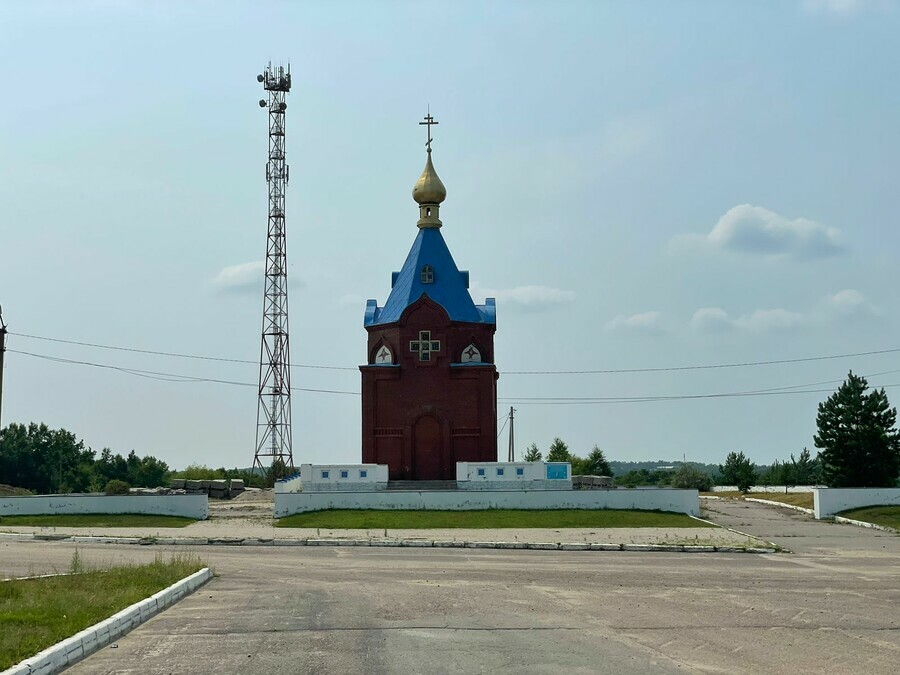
424, 346
429, 120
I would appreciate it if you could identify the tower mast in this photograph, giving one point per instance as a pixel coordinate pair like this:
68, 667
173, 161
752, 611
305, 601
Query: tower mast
273, 413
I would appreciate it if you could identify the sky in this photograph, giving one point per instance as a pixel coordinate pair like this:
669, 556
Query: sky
643, 187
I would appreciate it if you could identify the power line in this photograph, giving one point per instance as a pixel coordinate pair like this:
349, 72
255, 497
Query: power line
505, 420
610, 371
168, 377
172, 354
585, 400
770, 390
743, 364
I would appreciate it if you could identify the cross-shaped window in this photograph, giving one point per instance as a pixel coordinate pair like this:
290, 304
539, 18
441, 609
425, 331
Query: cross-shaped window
424, 346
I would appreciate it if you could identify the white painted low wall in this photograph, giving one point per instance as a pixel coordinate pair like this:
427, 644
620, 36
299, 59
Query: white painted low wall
829, 501
189, 506
343, 477
514, 475
679, 501
766, 488
288, 483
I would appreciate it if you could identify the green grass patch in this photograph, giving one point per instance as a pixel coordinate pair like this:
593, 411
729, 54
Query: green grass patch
97, 520
886, 516
804, 499
38, 613
492, 518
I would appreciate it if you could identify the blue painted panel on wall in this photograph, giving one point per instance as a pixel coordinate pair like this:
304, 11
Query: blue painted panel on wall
557, 472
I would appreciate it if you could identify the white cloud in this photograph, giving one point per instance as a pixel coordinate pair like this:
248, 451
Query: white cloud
848, 302
756, 230
843, 7
647, 323
530, 298
711, 320
831, 310
243, 278
766, 320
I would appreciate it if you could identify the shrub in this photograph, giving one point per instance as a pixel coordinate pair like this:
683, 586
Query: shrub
689, 477
117, 487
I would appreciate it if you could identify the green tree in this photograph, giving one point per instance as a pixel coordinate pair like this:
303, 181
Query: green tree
277, 471
804, 470
738, 470
595, 463
689, 477
859, 445
559, 452
532, 454
44, 460
780, 473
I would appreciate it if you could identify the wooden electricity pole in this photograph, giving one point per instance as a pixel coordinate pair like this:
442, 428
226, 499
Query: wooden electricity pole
512, 452
2, 352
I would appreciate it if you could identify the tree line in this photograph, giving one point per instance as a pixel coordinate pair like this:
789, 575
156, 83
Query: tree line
47, 461
857, 438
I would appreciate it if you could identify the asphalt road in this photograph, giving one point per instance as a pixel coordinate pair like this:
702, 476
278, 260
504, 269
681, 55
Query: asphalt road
833, 606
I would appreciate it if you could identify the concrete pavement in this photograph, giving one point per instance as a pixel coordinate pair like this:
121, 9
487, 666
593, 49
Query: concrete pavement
830, 607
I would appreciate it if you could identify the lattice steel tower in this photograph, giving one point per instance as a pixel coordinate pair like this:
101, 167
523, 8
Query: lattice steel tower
273, 414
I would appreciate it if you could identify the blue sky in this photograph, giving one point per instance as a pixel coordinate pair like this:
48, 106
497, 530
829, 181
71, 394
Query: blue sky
639, 184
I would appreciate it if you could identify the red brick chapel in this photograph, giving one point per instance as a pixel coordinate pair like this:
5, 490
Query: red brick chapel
429, 387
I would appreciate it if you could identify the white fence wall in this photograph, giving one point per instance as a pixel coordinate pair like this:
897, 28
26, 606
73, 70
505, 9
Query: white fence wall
766, 488
679, 501
829, 501
288, 483
513, 475
343, 477
189, 506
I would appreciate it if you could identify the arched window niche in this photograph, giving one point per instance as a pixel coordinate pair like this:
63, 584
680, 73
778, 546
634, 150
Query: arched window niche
383, 356
471, 354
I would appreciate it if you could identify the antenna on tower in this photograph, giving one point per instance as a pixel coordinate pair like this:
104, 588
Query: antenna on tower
273, 412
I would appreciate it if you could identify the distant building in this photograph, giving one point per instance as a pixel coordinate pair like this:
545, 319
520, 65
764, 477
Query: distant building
429, 388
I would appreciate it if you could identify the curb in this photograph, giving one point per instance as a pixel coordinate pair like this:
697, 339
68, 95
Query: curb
781, 504
83, 644
413, 543
862, 523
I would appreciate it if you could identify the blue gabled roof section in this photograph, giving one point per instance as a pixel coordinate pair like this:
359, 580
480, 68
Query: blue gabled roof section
449, 288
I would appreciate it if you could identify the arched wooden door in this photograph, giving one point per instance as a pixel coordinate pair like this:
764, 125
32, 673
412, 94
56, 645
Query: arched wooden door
427, 449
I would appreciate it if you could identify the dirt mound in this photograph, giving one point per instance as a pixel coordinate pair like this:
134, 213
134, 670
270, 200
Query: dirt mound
10, 491
255, 496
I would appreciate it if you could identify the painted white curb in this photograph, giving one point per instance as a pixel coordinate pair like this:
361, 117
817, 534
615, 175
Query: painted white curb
427, 543
83, 644
862, 523
781, 504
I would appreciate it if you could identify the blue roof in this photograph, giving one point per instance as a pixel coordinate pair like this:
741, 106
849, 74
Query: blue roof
450, 288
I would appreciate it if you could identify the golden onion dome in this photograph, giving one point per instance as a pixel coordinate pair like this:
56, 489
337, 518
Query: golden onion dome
429, 189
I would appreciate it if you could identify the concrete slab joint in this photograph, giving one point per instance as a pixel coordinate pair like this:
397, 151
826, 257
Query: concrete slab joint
71, 650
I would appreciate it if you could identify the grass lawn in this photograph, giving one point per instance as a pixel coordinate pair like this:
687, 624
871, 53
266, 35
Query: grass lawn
804, 499
97, 520
38, 613
493, 518
888, 516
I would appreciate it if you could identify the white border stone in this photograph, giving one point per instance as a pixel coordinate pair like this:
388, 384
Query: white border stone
71, 650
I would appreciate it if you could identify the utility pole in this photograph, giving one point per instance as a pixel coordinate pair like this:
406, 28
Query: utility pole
2, 352
512, 436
